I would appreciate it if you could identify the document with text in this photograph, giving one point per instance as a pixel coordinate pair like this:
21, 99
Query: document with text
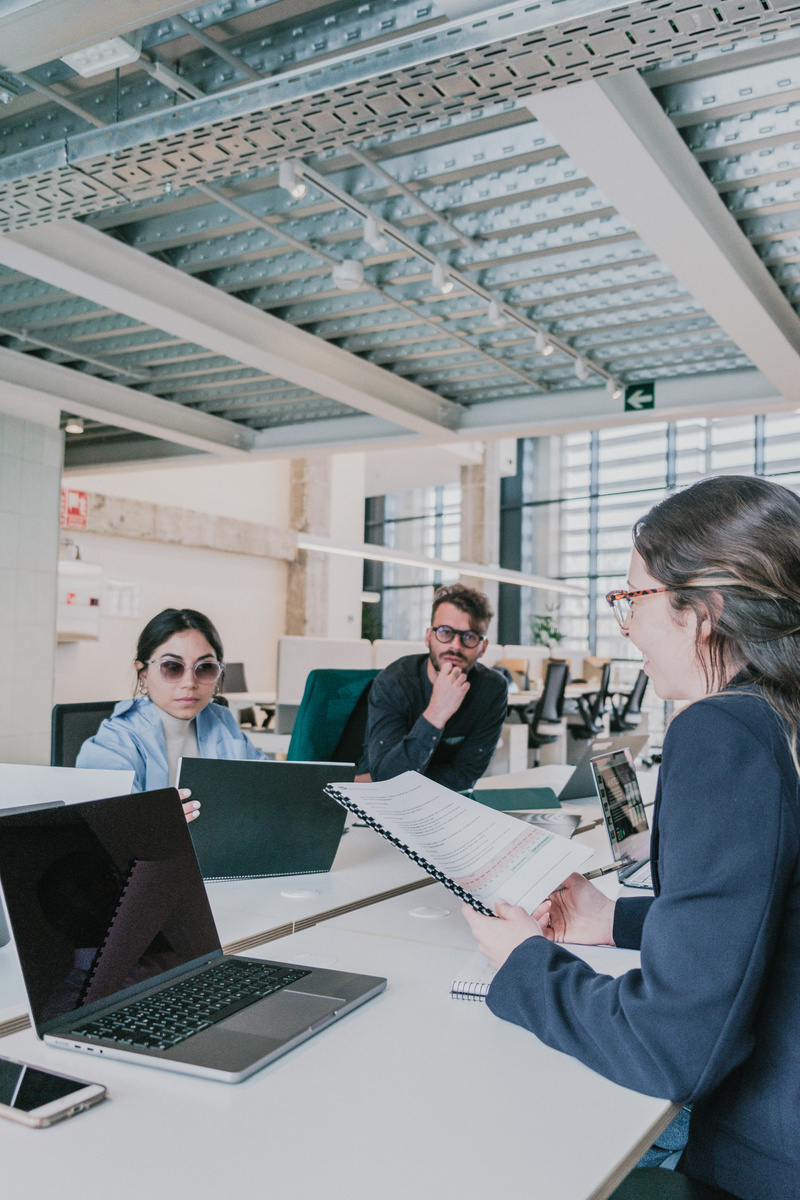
480, 854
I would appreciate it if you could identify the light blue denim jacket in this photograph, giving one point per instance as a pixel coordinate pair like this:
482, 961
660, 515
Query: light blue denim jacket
133, 738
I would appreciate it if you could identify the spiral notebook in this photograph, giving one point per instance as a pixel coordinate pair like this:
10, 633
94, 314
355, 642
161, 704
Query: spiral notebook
480, 854
472, 983
473, 980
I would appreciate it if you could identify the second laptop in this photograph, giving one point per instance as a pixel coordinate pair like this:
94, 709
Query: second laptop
264, 818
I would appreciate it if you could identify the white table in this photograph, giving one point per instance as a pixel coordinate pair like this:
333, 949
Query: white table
413, 1096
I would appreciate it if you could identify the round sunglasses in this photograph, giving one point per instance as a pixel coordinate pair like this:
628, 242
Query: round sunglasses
172, 670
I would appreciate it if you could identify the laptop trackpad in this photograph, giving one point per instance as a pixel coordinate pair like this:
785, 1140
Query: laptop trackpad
282, 1016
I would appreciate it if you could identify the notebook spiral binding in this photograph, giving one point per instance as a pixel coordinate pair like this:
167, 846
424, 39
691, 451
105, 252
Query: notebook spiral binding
469, 991
346, 802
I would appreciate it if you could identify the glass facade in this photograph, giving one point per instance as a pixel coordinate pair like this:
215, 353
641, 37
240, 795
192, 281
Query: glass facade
425, 522
568, 514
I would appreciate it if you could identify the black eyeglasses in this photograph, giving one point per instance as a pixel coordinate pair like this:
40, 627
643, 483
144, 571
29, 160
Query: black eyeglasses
468, 637
172, 670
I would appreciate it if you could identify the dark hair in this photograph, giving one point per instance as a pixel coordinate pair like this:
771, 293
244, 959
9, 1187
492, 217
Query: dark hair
469, 600
729, 549
170, 621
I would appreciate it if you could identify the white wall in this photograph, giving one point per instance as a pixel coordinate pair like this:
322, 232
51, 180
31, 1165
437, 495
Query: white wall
257, 491
346, 575
30, 474
244, 596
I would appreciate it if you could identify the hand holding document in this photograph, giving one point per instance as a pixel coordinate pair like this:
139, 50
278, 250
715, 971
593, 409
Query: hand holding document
481, 855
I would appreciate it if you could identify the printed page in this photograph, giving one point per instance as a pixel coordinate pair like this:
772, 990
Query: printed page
491, 855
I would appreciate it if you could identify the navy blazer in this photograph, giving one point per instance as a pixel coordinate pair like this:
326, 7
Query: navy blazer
713, 1015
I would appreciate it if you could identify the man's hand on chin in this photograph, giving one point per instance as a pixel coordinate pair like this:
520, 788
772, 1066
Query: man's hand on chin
449, 689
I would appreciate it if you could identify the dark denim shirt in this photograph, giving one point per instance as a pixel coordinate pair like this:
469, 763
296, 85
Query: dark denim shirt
400, 739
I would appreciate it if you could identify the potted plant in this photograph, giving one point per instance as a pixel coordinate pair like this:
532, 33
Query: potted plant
545, 631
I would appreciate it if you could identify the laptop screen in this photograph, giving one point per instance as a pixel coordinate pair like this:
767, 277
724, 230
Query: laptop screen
102, 897
623, 810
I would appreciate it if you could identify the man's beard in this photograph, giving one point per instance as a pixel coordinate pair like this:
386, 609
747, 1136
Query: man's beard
436, 661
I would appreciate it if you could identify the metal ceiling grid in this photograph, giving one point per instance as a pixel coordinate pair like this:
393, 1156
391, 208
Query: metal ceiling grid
742, 123
539, 251
415, 120
46, 322
426, 72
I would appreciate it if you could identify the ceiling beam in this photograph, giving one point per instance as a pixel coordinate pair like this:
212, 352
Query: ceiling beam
38, 32
88, 263
24, 378
724, 394
617, 132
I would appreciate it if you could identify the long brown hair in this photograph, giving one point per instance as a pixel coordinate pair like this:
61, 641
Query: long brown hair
729, 549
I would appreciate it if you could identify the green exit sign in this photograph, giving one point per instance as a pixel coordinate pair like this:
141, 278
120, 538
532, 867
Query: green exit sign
639, 396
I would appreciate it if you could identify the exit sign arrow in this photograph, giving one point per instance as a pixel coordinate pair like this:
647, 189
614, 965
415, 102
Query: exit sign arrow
639, 396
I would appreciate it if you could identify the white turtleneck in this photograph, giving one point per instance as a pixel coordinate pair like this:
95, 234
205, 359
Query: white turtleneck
181, 739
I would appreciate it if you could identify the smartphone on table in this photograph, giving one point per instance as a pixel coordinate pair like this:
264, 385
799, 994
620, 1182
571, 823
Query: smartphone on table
39, 1098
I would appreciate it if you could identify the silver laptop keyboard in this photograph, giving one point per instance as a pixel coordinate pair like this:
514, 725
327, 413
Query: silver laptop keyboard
170, 1016
642, 878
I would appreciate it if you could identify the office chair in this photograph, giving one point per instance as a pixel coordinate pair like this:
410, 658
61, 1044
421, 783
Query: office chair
655, 1183
626, 717
592, 709
548, 708
71, 725
332, 719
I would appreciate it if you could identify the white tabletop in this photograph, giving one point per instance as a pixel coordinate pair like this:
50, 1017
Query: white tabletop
414, 1095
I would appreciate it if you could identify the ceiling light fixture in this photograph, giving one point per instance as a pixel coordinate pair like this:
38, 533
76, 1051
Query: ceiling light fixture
614, 389
496, 317
374, 553
581, 370
105, 56
373, 236
288, 179
74, 425
348, 275
440, 281
542, 344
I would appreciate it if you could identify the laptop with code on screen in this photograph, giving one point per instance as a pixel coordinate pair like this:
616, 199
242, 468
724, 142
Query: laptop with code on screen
624, 816
120, 954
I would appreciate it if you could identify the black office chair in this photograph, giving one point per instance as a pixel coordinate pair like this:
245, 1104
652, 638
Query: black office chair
654, 1183
591, 709
71, 725
626, 717
547, 710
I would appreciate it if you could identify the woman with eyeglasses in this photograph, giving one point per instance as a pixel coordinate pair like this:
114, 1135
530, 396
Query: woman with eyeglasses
179, 664
712, 1017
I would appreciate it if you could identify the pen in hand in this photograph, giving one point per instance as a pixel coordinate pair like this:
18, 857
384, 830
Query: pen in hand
604, 871
597, 873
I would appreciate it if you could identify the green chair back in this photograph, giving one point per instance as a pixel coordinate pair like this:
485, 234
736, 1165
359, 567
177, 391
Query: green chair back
329, 700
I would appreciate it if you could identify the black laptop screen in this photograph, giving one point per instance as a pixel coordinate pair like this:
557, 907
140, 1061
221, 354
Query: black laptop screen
625, 816
102, 897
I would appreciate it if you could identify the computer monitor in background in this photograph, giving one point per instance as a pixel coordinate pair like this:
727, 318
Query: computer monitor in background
233, 680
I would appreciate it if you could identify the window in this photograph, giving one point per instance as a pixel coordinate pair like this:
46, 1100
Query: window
425, 522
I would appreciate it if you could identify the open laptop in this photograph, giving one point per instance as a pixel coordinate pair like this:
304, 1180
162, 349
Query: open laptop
624, 816
264, 818
23, 786
580, 785
120, 954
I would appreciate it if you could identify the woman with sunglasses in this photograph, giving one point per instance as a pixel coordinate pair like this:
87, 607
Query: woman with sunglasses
712, 1017
179, 664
